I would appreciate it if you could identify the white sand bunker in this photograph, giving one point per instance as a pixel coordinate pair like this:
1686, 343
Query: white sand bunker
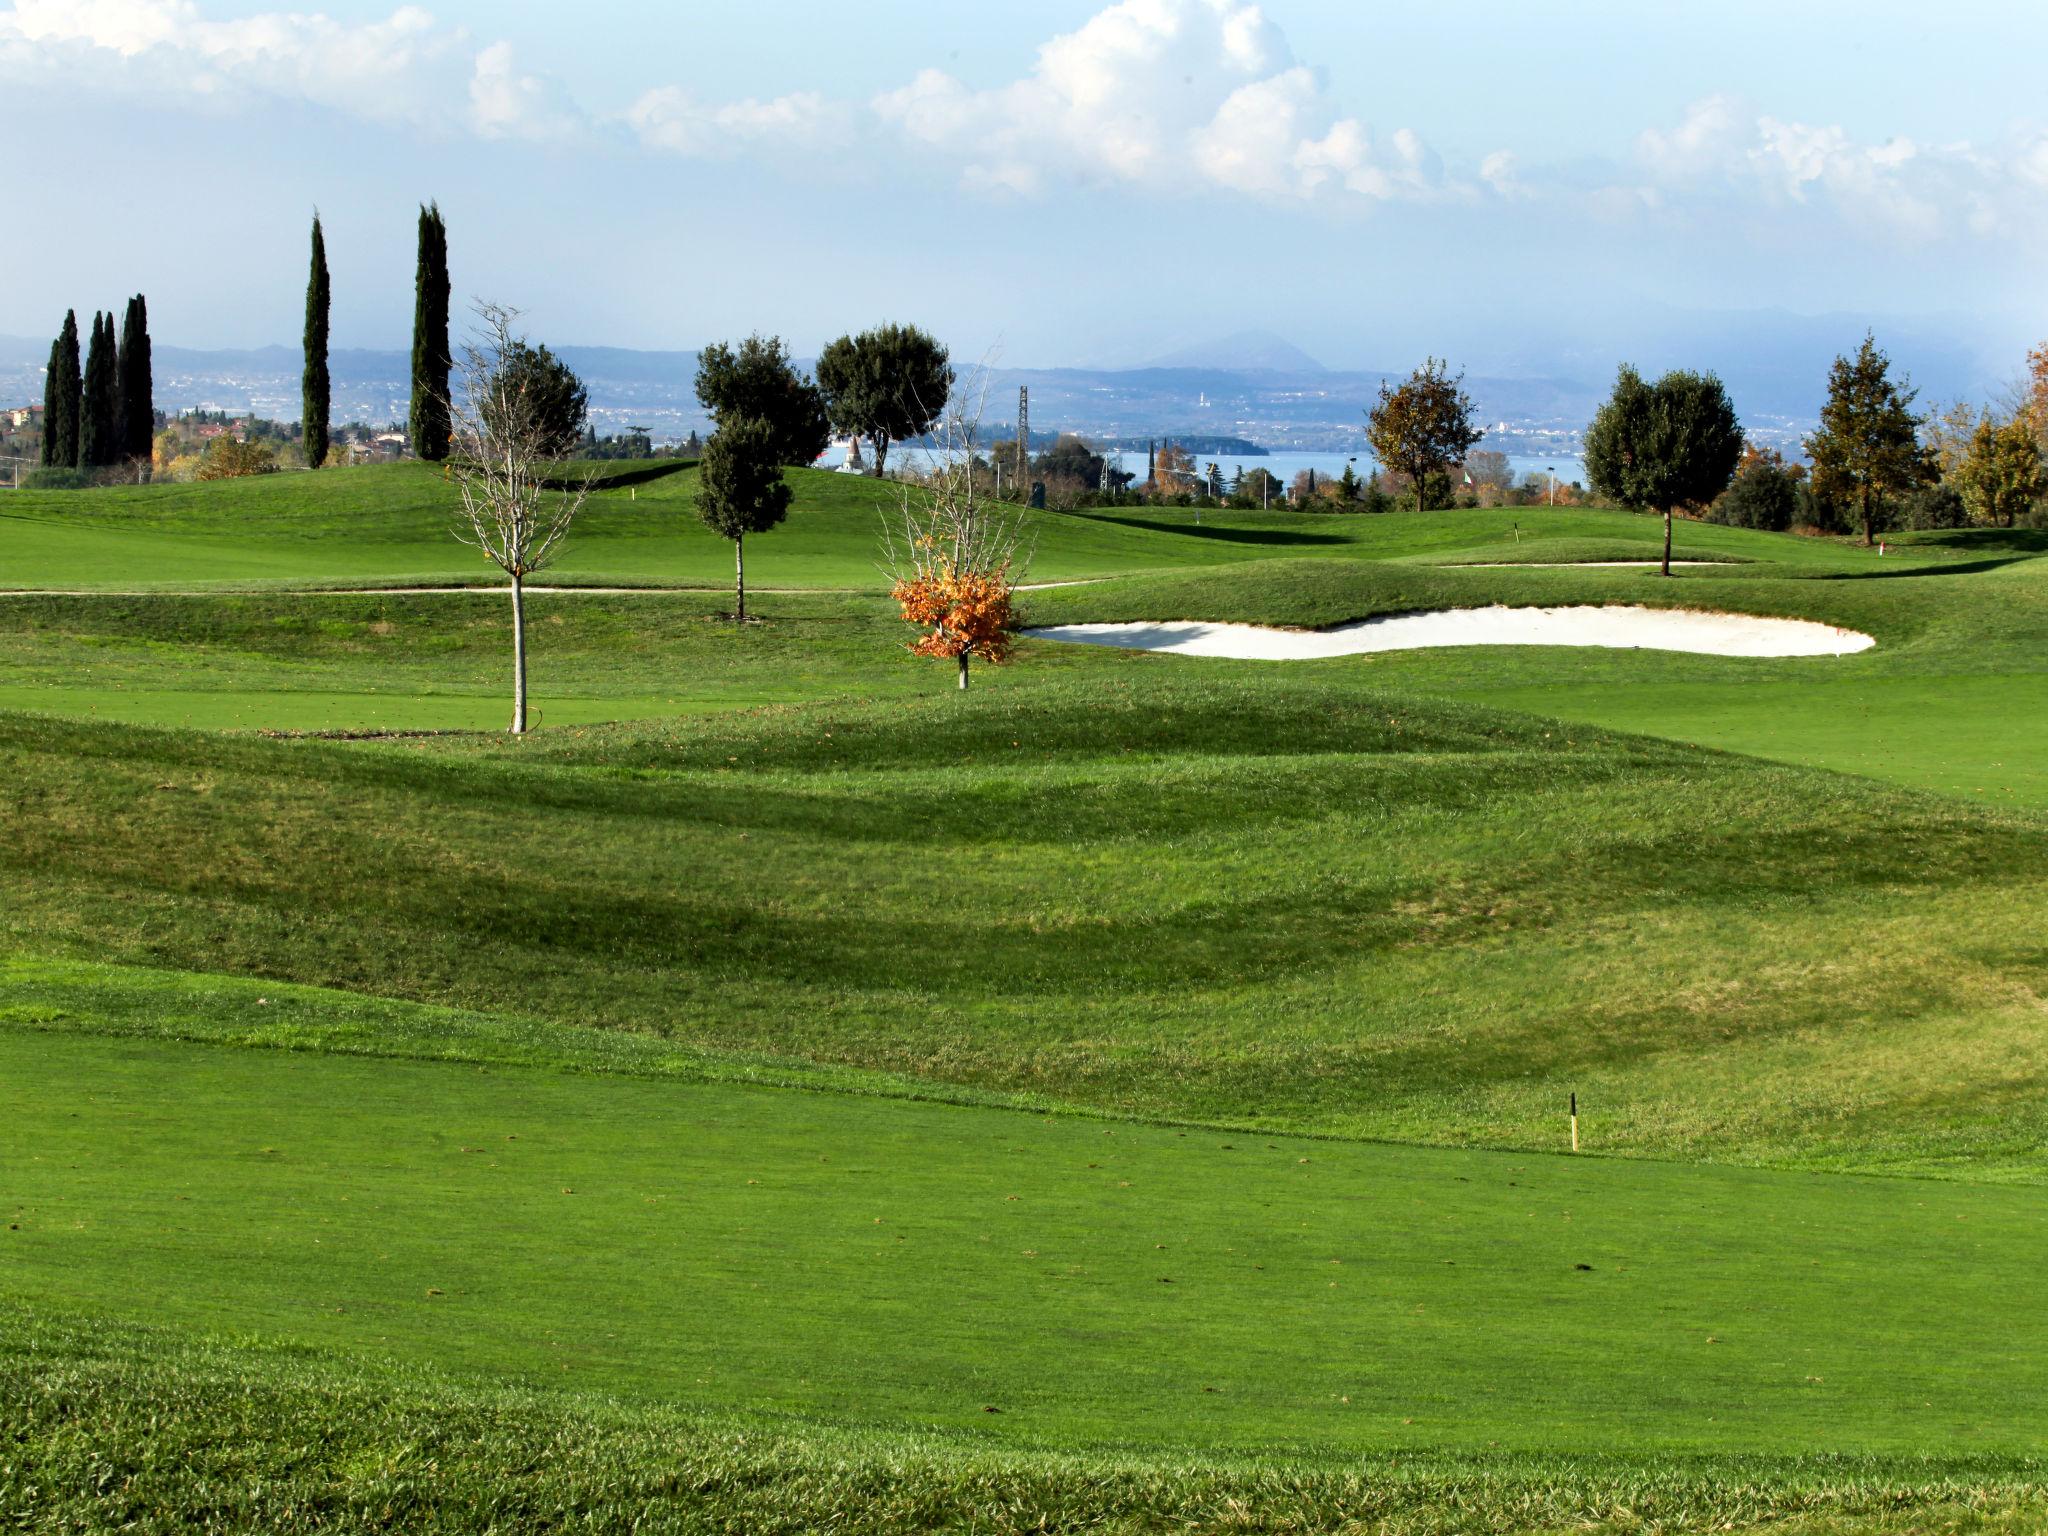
1618, 628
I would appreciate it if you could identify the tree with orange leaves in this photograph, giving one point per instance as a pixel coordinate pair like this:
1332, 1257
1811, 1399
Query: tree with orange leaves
965, 612
953, 555
2035, 405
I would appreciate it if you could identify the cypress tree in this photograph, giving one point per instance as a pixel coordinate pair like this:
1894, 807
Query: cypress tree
52, 410
97, 443
315, 393
138, 404
431, 357
61, 402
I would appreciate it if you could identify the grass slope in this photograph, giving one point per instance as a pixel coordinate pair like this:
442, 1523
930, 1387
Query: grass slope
1284, 903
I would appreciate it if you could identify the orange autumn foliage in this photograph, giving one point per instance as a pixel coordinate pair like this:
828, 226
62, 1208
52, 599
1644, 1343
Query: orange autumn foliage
965, 612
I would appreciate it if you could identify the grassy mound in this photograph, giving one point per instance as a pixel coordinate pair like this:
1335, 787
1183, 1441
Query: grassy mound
1298, 905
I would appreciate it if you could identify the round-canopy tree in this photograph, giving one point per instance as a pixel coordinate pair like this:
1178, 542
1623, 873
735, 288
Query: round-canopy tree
740, 490
1424, 426
886, 385
756, 381
1662, 446
552, 400
2001, 475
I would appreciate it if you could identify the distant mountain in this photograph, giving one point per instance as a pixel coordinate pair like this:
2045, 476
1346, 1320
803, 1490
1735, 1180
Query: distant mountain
1243, 352
1252, 385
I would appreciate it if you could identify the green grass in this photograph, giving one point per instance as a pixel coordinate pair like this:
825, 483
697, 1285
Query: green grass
1104, 1287
1303, 907
153, 1430
1260, 987
392, 525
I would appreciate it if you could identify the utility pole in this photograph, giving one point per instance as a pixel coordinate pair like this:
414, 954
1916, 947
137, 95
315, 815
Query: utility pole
1023, 434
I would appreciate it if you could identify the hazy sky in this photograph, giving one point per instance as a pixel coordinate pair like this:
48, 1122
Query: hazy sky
1071, 182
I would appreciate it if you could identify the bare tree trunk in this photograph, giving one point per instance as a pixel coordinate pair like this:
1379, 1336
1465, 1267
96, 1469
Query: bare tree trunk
518, 654
1667, 541
881, 446
1421, 477
963, 671
739, 578
1867, 539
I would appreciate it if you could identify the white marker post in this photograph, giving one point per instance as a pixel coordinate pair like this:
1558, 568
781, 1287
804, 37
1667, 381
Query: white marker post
1575, 1122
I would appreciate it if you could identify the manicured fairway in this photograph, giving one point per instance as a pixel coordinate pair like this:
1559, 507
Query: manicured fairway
727, 1247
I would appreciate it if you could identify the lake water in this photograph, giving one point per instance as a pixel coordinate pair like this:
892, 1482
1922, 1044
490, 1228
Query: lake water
1283, 464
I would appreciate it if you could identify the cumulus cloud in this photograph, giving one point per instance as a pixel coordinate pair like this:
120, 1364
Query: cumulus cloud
1176, 95
405, 69
1173, 97
1723, 151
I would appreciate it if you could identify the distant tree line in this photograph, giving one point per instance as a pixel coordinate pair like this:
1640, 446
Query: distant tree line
1878, 466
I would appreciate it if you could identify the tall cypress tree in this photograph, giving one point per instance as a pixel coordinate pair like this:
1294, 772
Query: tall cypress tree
53, 409
314, 397
61, 403
431, 357
97, 443
137, 392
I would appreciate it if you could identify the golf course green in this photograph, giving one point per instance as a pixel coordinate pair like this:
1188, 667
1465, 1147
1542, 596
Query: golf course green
785, 1093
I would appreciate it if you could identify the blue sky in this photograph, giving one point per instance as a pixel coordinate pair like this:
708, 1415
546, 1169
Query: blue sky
1527, 187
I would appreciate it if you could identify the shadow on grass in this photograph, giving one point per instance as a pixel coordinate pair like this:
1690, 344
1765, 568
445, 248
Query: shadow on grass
1276, 536
2016, 541
1946, 568
605, 477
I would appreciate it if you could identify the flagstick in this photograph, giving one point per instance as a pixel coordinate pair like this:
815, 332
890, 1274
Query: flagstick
1575, 1122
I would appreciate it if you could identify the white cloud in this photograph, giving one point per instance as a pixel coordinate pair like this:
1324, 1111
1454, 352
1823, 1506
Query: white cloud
1180, 98
1177, 95
405, 69
672, 120
1722, 151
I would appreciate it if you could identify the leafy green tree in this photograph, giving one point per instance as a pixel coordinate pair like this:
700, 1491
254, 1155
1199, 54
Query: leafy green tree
887, 385
63, 399
2000, 477
137, 389
1666, 445
315, 397
1071, 464
99, 442
1934, 505
740, 490
1259, 487
1424, 426
553, 402
756, 381
1764, 494
432, 358
1868, 445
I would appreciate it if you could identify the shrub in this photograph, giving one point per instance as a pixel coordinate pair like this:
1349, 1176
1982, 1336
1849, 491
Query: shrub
57, 480
1934, 506
227, 459
1764, 495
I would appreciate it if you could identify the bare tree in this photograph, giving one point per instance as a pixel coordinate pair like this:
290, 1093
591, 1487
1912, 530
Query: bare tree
517, 501
951, 551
